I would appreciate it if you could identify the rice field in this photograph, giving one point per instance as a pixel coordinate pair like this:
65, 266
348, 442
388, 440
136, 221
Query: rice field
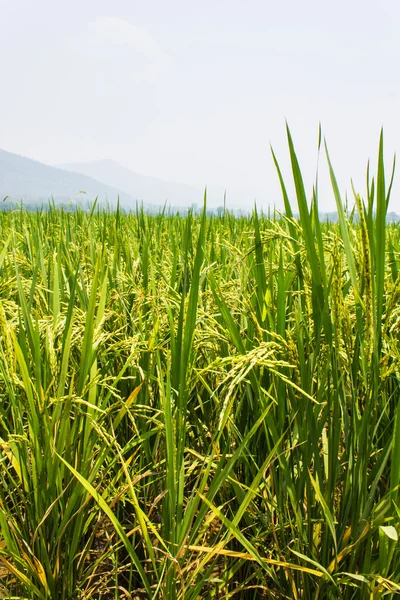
201, 407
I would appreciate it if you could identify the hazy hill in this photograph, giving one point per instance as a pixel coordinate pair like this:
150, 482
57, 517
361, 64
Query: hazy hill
34, 182
149, 189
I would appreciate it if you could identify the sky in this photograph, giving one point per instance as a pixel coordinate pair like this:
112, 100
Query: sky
196, 92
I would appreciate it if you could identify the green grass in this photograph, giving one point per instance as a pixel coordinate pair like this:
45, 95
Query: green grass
201, 407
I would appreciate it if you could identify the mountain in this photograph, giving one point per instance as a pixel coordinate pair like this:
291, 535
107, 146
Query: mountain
36, 183
148, 189
392, 217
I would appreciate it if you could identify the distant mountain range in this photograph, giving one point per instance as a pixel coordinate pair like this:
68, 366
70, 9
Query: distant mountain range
150, 190
36, 183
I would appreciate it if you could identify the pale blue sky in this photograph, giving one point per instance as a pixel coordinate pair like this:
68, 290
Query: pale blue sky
195, 91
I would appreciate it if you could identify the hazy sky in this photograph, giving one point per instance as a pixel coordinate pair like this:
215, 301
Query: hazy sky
196, 91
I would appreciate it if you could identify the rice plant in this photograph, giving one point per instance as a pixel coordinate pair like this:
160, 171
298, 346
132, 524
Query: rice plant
201, 407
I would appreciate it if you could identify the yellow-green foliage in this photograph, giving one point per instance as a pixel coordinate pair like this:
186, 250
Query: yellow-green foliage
200, 407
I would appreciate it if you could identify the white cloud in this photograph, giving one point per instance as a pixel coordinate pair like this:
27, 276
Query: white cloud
115, 46
111, 30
